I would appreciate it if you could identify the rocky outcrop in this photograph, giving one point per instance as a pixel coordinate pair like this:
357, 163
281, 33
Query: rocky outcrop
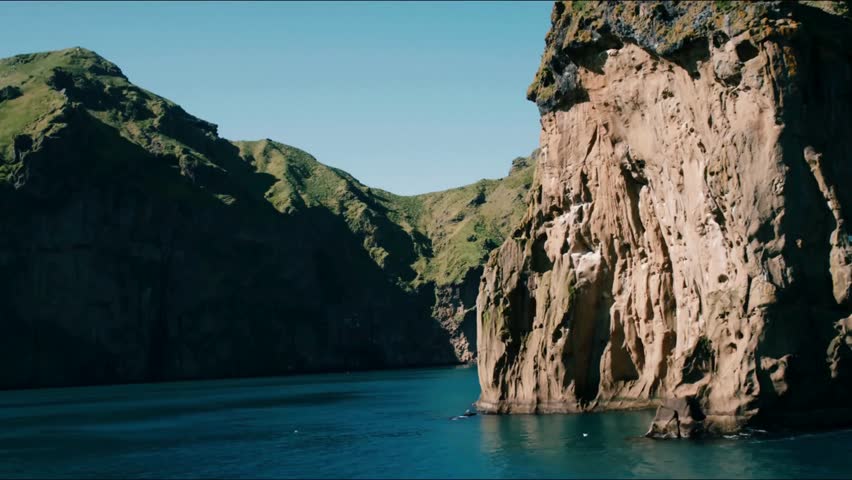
138, 245
687, 240
678, 418
455, 309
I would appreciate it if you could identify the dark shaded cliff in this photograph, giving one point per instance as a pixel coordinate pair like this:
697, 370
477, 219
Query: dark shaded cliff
138, 245
686, 243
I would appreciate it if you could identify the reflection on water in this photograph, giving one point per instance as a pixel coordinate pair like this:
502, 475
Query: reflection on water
371, 424
610, 445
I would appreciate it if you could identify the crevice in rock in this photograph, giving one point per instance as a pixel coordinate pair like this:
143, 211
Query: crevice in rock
691, 55
719, 38
700, 361
539, 261
746, 51
621, 363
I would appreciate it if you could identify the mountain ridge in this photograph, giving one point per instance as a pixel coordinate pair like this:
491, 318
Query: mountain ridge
129, 218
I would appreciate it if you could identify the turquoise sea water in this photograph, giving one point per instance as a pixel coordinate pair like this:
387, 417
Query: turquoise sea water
368, 424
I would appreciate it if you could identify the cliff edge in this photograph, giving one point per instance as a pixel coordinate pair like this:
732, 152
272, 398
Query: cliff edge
686, 243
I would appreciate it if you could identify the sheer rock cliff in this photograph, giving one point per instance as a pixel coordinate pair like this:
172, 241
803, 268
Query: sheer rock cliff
686, 243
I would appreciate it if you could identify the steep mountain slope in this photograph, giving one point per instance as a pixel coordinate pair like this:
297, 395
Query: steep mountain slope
431, 242
687, 239
138, 245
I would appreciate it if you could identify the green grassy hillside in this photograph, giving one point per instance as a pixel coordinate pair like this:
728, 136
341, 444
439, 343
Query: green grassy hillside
434, 237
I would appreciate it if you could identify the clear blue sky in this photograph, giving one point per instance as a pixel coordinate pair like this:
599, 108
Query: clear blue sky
406, 96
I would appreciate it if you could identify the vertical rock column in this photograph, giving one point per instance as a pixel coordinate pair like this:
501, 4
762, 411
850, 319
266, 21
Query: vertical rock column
686, 239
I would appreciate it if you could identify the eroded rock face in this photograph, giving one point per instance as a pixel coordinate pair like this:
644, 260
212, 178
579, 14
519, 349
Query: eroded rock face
688, 237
